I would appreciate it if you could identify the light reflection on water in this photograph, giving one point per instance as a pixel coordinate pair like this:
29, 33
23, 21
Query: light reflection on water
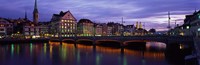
56, 53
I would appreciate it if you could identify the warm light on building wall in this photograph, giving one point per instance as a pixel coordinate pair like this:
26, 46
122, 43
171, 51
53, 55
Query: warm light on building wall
182, 34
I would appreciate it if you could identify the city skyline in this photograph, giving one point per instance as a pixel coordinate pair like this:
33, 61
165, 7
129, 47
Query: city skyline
154, 15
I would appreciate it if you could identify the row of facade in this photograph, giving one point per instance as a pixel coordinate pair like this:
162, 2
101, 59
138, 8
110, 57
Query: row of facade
65, 24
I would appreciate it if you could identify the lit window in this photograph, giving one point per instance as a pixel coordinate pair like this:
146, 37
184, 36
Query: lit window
62, 20
65, 20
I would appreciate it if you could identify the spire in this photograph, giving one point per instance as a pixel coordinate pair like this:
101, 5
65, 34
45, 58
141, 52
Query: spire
35, 7
25, 15
136, 25
140, 25
35, 13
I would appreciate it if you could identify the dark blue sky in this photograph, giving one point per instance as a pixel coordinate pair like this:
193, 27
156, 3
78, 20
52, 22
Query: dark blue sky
151, 12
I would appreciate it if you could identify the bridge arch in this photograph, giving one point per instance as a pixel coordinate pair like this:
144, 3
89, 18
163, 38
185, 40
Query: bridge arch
68, 40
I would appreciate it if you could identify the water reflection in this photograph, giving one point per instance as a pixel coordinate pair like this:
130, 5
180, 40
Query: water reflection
56, 53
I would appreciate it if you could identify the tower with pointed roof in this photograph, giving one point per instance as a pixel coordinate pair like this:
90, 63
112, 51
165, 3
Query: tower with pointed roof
25, 16
35, 13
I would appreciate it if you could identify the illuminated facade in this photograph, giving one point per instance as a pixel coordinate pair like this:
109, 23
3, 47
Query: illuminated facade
63, 25
98, 30
109, 31
6, 28
85, 27
104, 29
33, 31
115, 29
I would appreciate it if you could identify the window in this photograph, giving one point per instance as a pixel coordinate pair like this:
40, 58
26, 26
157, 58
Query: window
62, 20
62, 26
65, 20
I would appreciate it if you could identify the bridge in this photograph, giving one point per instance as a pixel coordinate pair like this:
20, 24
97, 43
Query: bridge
125, 39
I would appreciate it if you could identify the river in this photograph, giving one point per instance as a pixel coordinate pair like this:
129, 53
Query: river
56, 53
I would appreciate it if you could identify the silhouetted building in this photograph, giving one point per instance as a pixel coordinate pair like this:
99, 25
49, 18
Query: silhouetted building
191, 26
128, 30
152, 31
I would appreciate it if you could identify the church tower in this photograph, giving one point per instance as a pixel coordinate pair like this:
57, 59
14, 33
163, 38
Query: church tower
35, 13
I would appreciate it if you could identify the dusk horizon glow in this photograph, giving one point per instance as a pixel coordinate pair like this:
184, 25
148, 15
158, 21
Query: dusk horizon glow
153, 13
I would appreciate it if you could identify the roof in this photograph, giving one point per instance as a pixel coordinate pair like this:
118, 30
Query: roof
85, 21
61, 14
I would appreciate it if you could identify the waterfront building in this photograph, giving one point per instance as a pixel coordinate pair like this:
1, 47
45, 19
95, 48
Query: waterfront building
98, 30
128, 30
117, 28
191, 26
110, 31
139, 30
36, 31
6, 28
18, 25
85, 27
63, 24
104, 29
